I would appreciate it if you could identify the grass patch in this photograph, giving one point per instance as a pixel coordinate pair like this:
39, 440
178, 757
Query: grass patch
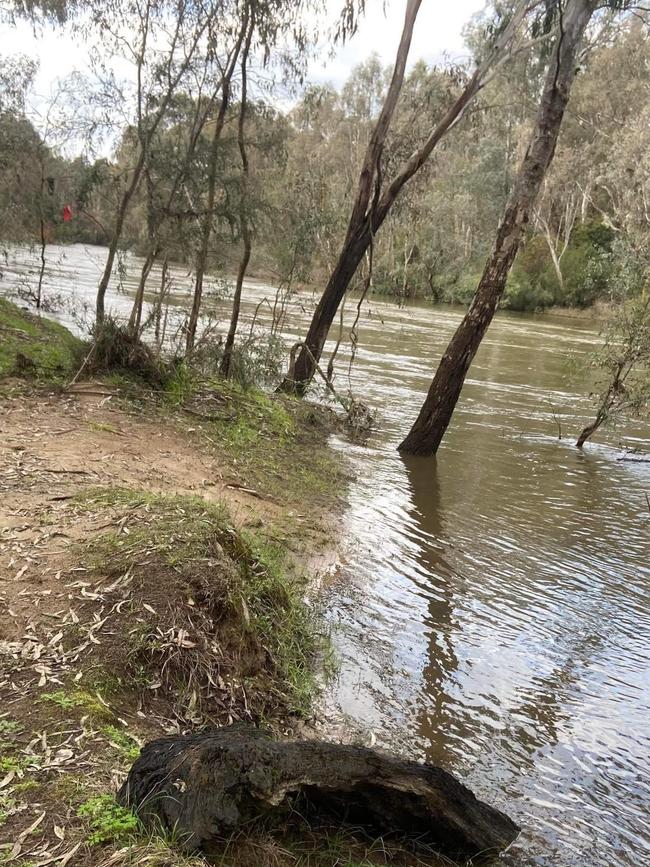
18, 764
215, 619
107, 821
123, 742
36, 348
275, 443
102, 427
77, 698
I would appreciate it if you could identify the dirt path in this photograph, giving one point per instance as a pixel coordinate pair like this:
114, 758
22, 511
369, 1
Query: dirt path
67, 734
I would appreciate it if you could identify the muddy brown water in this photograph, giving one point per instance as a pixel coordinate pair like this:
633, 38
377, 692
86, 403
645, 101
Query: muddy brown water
491, 609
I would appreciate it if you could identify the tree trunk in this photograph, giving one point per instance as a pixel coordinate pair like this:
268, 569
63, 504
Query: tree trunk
117, 234
359, 232
41, 273
159, 302
206, 231
436, 412
226, 360
367, 218
218, 783
311, 351
554, 257
136, 311
590, 430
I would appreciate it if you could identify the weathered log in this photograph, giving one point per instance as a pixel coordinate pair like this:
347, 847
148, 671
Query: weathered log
205, 786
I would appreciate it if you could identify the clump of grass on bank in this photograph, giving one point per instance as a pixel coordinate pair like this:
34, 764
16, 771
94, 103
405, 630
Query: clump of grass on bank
275, 443
36, 348
115, 349
213, 621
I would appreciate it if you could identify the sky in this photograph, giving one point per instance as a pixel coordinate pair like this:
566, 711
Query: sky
438, 32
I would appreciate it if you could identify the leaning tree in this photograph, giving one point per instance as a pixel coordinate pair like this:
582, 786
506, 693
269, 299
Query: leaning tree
572, 18
376, 195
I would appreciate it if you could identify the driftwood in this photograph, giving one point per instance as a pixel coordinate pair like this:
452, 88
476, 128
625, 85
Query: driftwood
207, 785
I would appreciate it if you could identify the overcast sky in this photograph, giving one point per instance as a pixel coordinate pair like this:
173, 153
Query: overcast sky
438, 32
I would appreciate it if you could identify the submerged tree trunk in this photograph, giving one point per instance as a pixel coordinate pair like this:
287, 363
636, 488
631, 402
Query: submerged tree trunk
361, 225
432, 422
226, 360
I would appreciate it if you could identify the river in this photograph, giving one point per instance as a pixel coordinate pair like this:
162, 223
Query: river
491, 608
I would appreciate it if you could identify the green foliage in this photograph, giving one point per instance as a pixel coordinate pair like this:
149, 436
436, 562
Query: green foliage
107, 820
36, 348
17, 763
76, 698
9, 727
585, 265
7, 805
123, 741
622, 363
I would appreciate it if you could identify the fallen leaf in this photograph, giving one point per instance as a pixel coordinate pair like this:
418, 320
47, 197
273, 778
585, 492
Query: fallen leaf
7, 779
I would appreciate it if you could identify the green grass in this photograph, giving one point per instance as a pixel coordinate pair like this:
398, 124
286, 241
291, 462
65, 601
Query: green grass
107, 821
125, 744
102, 427
17, 764
77, 698
277, 444
7, 804
35, 347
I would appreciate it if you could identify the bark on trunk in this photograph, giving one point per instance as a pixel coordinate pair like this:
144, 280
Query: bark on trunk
202, 257
136, 311
305, 366
159, 303
436, 412
117, 234
590, 430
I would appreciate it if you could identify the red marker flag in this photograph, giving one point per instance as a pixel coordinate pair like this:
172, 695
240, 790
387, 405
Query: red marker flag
67, 213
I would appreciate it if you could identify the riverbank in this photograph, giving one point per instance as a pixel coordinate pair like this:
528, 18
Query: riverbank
153, 564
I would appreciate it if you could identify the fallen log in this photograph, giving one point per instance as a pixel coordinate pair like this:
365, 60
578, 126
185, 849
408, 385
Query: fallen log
207, 785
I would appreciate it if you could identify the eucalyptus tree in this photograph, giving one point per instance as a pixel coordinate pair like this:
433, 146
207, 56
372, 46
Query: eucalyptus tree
272, 33
427, 432
174, 163
160, 42
244, 221
20, 145
623, 364
376, 196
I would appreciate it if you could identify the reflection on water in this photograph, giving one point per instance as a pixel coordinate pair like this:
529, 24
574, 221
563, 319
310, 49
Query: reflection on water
492, 614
